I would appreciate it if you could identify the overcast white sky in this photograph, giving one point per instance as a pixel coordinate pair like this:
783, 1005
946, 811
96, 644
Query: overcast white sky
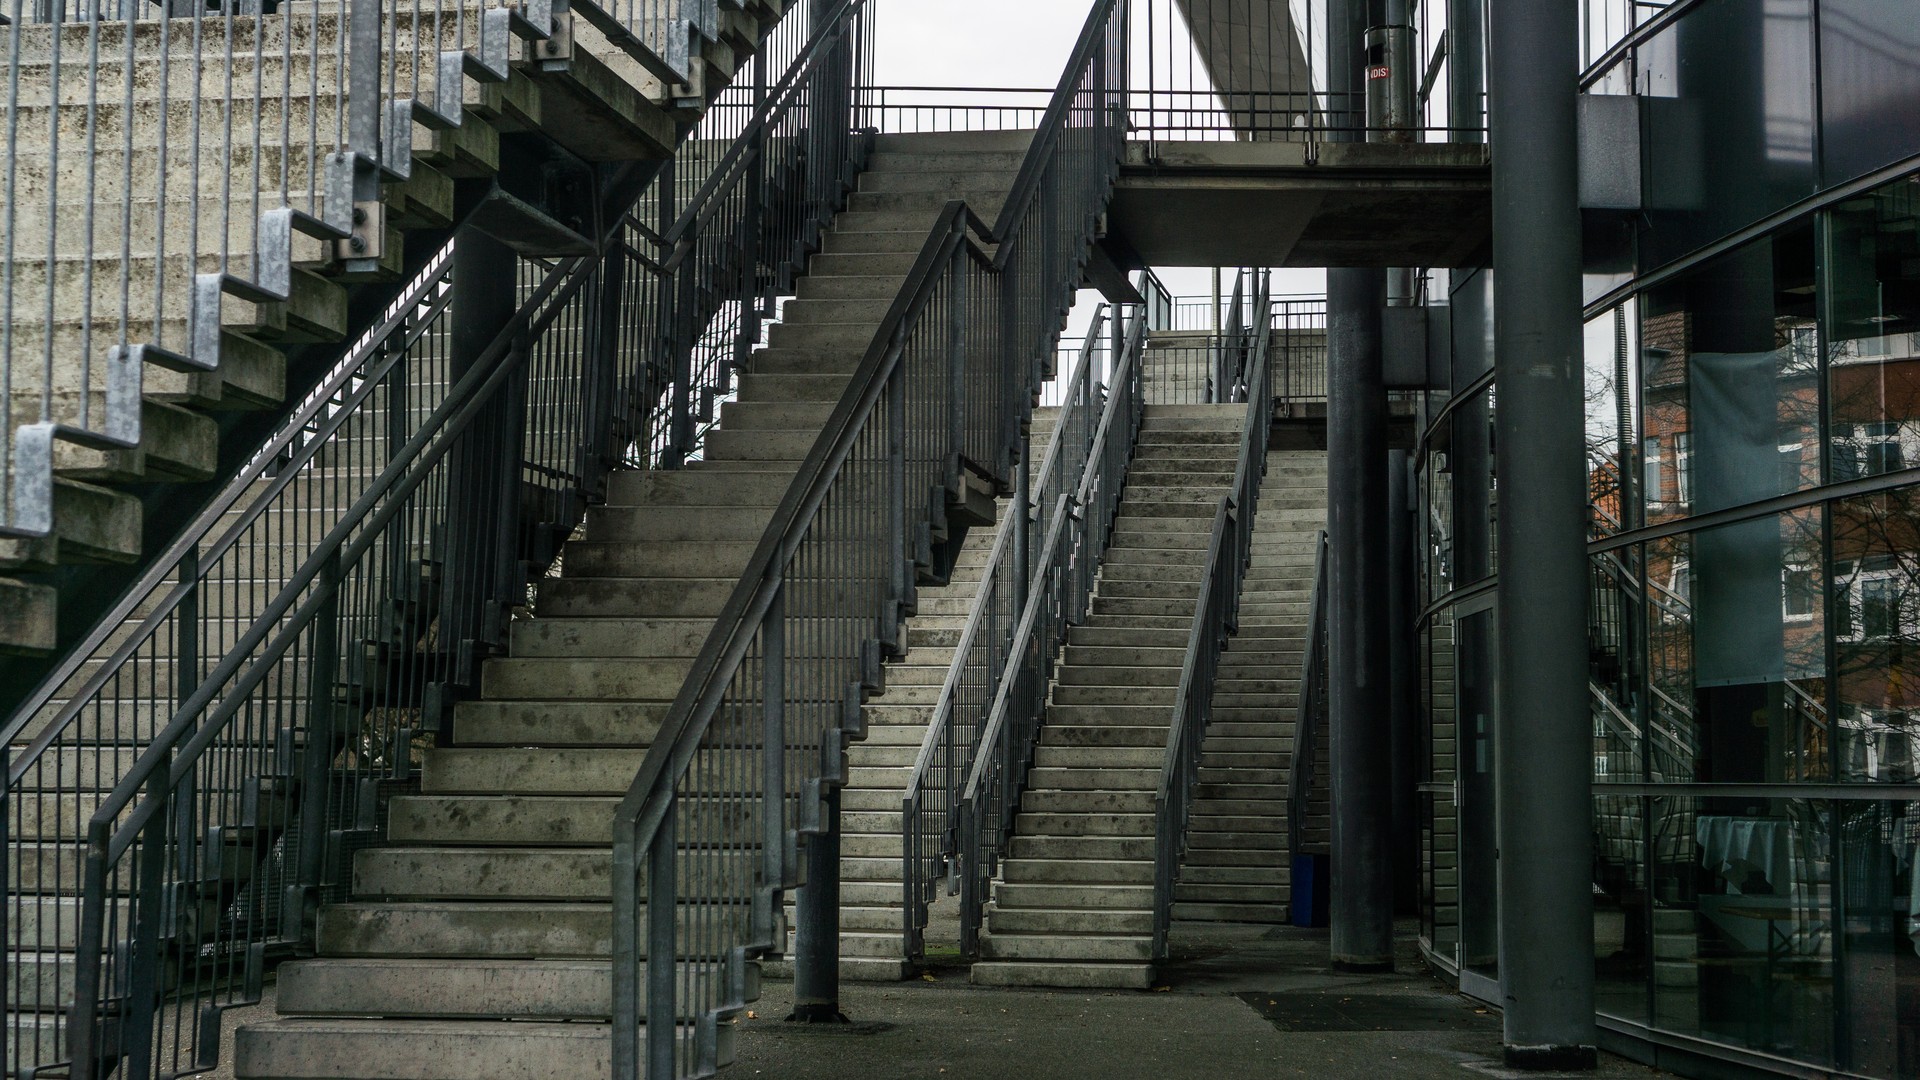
940, 43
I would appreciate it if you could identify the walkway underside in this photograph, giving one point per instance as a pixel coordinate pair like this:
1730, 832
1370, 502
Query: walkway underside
1303, 204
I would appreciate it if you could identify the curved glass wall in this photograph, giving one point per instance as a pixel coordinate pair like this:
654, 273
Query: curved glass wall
1753, 466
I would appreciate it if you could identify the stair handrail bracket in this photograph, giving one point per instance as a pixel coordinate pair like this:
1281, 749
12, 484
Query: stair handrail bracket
1216, 615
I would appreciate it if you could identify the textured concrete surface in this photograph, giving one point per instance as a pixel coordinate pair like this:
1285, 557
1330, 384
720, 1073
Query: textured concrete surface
1204, 1022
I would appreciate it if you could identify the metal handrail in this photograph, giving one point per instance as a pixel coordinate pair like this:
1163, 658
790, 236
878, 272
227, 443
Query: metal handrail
1216, 618
1063, 579
835, 569
1091, 456
941, 748
1097, 45
1310, 711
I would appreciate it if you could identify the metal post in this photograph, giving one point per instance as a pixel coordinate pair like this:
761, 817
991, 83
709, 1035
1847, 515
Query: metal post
816, 950
1403, 684
485, 295
1467, 78
1544, 742
1360, 906
1022, 526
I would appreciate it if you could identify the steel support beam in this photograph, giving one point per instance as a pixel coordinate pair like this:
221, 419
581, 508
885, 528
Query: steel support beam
1543, 733
816, 946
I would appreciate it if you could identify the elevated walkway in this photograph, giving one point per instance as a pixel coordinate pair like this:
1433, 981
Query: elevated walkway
1307, 204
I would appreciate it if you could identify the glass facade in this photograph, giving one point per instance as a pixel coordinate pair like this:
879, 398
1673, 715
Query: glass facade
1753, 467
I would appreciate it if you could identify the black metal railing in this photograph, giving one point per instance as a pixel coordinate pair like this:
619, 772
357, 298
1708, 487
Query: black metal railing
706, 838
1206, 367
1311, 710
196, 776
1079, 475
1216, 617
1256, 71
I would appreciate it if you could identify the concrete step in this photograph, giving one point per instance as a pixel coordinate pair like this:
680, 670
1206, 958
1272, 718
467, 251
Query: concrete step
310, 1049
1077, 871
1188, 911
1096, 947
1089, 976
1084, 778
557, 723
493, 874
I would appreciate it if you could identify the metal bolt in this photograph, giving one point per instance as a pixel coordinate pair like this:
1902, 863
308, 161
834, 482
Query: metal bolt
359, 215
553, 46
357, 243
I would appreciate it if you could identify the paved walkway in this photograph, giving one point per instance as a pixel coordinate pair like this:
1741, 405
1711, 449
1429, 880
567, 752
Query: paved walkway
1240, 1002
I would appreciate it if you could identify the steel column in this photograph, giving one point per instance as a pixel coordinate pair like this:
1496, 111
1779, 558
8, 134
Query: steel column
1360, 907
1543, 734
1361, 770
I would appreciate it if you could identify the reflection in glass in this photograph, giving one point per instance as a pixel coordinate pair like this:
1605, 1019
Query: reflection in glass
1876, 591
1438, 485
1872, 322
1869, 85
1727, 123
1611, 343
1622, 935
1737, 653
1879, 943
1742, 922
1729, 364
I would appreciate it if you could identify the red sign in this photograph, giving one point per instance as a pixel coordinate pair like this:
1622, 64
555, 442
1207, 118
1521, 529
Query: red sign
1379, 71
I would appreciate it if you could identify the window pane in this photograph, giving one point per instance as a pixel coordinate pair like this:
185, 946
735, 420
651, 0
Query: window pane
1869, 85
1880, 944
1730, 374
1876, 574
1742, 922
1871, 312
1737, 653
1729, 121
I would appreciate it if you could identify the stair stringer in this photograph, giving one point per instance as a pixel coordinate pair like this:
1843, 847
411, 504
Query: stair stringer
363, 191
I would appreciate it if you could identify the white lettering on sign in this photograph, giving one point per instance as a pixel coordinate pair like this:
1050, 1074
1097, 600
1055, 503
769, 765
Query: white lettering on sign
1379, 71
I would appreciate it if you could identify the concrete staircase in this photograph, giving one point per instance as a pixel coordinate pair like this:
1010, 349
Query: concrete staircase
872, 892
1073, 906
140, 215
477, 941
1236, 864
261, 345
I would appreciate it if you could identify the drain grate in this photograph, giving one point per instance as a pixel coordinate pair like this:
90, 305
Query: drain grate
1345, 1011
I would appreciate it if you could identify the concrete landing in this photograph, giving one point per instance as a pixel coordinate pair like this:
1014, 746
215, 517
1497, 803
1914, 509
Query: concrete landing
1206, 1024
1304, 204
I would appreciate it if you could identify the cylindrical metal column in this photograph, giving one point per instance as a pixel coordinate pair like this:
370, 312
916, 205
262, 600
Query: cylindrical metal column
1467, 73
816, 938
1543, 733
1361, 907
